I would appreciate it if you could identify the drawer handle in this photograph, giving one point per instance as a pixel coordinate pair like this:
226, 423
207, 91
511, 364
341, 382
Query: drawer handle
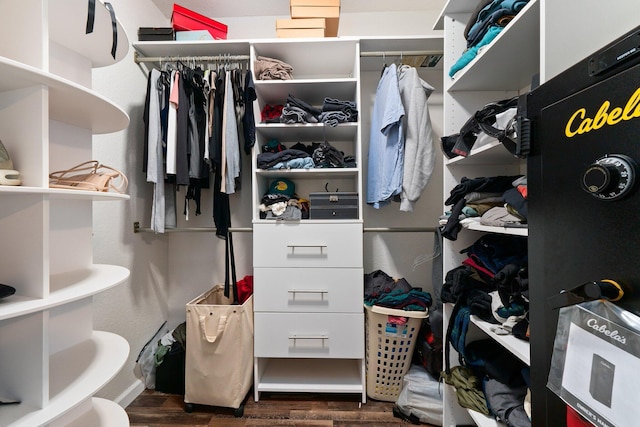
321, 293
322, 248
308, 337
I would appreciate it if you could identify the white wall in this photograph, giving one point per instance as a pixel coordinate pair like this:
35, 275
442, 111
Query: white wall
169, 270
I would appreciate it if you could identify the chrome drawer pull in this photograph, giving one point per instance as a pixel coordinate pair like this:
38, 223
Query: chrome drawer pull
322, 248
309, 337
320, 292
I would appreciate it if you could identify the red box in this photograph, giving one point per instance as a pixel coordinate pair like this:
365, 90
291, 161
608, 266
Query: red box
184, 19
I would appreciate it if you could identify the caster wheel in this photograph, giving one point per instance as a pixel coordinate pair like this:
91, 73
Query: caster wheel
239, 412
188, 407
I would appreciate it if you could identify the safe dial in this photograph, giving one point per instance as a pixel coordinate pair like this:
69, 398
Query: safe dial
610, 177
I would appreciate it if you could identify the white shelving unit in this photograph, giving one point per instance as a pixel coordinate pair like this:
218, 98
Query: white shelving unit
309, 335
330, 298
482, 81
53, 362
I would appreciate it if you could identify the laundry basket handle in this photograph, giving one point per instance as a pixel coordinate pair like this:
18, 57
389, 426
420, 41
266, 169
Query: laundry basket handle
221, 326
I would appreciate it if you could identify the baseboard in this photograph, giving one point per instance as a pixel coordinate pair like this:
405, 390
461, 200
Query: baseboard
129, 395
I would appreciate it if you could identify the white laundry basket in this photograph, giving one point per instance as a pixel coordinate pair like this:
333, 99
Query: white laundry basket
389, 349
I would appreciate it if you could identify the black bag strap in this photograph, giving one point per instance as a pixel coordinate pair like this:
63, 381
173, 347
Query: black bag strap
230, 266
91, 16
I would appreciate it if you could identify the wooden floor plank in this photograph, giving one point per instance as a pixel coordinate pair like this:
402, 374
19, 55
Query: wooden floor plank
156, 409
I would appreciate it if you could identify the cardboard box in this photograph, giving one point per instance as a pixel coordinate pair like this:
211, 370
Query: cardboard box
299, 32
183, 19
303, 27
324, 3
315, 11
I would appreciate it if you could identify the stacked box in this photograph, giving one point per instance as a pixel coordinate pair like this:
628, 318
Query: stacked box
303, 27
327, 10
183, 19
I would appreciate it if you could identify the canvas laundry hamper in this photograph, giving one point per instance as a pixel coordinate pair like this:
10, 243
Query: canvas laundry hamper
219, 351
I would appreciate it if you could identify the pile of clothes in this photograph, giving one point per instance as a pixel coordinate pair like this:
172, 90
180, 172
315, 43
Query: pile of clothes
487, 21
383, 290
297, 111
276, 156
281, 202
499, 201
267, 68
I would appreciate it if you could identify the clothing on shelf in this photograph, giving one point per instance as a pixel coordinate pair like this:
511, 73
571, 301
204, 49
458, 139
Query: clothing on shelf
197, 123
401, 145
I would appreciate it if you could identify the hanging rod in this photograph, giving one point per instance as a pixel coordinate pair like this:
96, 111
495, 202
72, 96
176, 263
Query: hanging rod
138, 229
402, 53
222, 57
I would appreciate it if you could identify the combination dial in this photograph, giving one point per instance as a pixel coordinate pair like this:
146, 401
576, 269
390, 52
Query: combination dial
610, 177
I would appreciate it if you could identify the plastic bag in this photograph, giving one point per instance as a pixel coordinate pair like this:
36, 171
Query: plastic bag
420, 397
146, 358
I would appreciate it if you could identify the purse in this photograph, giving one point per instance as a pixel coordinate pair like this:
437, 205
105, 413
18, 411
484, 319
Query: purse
91, 176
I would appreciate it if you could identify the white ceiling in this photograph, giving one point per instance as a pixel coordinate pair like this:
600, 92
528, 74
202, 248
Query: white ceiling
239, 8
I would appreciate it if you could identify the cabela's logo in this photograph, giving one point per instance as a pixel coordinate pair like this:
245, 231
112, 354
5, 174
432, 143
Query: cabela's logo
614, 335
579, 123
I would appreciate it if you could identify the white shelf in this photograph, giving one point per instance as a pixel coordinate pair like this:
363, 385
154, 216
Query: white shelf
69, 102
311, 376
315, 173
518, 347
65, 288
75, 373
67, 27
513, 231
57, 193
482, 420
191, 48
453, 7
312, 91
308, 131
510, 61
493, 153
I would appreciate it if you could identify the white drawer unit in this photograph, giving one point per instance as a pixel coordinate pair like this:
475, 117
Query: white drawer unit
314, 335
295, 244
308, 273
289, 290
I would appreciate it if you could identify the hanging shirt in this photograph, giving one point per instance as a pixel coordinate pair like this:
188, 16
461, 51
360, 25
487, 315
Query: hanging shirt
419, 149
231, 142
172, 123
155, 169
386, 142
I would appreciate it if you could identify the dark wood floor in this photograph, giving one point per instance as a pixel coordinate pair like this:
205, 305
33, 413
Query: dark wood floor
156, 409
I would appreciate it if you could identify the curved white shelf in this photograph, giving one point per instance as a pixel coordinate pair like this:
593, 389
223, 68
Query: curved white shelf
69, 102
309, 131
516, 49
67, 27
518, 347
104, 413
57, 193
65, 288
76, 373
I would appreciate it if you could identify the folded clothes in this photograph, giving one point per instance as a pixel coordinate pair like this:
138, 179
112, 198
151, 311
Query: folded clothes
272, 69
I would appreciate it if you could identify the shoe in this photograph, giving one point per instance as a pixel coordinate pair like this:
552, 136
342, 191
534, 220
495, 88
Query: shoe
8, 175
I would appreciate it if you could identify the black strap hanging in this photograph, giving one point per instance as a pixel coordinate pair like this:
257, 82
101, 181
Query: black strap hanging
91, 16
114, 29
230, 264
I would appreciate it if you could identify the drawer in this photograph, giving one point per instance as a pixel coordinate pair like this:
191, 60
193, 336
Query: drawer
307, 245
310, 290
314, 335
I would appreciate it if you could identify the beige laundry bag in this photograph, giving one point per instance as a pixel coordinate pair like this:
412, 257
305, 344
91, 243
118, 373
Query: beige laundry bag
219, 353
